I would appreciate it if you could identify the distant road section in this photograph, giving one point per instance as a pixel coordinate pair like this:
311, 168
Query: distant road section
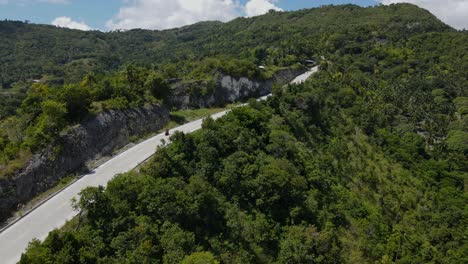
303, 77
58, 210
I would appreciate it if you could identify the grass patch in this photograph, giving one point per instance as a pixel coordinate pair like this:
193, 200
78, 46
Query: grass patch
71, 225
183, 116
11, 167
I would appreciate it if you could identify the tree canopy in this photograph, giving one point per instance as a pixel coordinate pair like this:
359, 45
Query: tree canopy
363, 163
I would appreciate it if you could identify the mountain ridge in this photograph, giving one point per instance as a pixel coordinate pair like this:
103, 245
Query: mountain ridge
102, 51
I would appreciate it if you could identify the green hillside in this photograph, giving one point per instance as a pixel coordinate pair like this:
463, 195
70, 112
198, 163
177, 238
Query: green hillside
29, 51
82, 73
364, 163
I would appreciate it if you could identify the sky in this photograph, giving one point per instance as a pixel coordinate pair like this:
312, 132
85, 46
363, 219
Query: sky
106, 15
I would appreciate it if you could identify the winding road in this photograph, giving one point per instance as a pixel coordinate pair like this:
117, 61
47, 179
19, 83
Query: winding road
56, 211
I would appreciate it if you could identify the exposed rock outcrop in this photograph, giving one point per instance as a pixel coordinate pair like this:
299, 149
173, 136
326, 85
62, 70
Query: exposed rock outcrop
111, 130
226, 89
95, 137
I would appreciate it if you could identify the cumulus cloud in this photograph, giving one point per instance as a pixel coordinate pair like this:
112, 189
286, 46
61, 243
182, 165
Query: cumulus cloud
162, 14
452, 12
67, 22
260, 7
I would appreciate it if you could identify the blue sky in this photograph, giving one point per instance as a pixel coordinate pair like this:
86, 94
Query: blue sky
96, 13
159, 14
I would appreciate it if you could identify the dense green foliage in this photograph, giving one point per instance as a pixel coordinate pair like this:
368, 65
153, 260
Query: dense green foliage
364, 163
68, 61
47, 110
58, 55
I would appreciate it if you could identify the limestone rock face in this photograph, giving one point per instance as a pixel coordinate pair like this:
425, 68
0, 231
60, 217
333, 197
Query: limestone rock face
226, 89
93, 138
111, 130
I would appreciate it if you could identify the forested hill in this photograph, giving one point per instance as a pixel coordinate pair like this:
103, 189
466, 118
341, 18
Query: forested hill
57, 55
364, 163
88, 72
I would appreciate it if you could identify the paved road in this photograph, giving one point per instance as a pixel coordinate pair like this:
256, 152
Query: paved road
303, 77
55, 212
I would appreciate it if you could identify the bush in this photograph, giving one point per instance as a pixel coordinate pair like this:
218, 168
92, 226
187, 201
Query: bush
200, 258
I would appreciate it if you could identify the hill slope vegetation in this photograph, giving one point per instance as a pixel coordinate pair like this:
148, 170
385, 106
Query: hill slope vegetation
364, 163
82, 73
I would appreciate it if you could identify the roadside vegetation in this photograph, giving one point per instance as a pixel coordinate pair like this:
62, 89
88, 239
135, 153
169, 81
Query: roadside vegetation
70, 75
47, 110
364, 163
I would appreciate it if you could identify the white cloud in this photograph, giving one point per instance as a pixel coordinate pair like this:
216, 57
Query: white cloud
260, 7
67, 22
452, 12
163, 14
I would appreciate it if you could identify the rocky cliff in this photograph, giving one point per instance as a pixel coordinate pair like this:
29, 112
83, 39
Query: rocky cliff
95, 137
111, 130
226, 89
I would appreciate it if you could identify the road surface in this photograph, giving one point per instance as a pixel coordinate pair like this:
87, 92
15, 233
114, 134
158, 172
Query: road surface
55, 212
303, 77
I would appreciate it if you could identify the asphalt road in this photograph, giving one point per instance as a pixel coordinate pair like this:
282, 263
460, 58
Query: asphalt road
58, 210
